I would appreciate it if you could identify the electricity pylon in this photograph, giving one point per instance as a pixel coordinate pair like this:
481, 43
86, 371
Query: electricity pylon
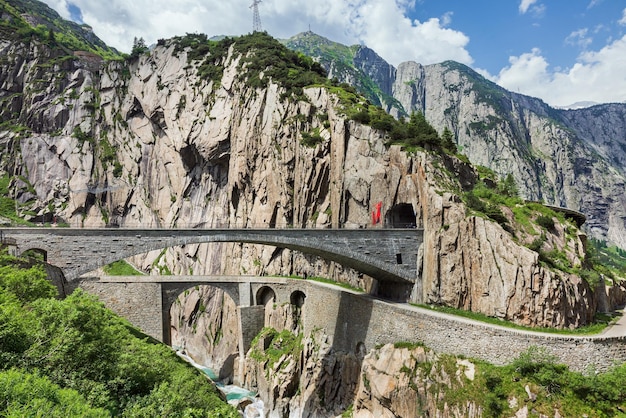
256, 17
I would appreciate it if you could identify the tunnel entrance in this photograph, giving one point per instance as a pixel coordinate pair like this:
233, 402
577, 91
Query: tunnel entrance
401, 216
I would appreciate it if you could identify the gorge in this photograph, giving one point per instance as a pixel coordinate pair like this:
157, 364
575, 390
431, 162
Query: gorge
243, 133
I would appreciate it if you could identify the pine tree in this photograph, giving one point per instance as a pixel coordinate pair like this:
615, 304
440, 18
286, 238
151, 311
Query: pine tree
447, 141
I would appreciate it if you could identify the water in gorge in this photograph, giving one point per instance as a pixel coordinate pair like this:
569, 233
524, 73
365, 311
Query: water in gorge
235, 395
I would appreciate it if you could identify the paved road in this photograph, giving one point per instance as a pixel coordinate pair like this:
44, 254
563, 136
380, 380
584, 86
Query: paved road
618, 329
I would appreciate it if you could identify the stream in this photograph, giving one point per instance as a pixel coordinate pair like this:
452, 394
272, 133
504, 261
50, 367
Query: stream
234, 394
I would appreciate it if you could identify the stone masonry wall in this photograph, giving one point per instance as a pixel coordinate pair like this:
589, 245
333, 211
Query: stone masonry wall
139, 303
353, 318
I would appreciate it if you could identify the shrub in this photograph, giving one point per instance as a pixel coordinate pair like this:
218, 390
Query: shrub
546, 222
311, 139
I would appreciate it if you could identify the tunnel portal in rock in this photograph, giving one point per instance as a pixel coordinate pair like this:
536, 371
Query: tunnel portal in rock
401, 216
297, 298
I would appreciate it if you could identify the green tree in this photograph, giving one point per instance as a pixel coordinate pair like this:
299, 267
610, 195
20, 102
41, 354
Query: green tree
15, 326
139, 47
447, 141
508, 186
26, 284
420, 132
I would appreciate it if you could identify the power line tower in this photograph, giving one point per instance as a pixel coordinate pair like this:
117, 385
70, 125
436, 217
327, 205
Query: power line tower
256, 17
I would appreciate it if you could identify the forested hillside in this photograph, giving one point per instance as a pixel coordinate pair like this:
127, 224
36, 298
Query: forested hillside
73, 357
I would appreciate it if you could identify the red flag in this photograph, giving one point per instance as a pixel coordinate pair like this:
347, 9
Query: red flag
376, 213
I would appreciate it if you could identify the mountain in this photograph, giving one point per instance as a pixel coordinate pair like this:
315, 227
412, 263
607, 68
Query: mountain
579, 105
243, 132
28, 19
356, 65
571, 158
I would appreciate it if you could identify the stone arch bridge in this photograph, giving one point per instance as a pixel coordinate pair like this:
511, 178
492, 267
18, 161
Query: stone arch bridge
388, 255
354, 322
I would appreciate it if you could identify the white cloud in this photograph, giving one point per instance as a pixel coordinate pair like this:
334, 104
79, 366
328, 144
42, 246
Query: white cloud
525, 5
594, 3
446, 19
382, 25
537, 10
579, 38
622, 21
598, 76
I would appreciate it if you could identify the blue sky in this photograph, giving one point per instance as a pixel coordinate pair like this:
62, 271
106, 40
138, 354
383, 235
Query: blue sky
561, 29
562, 51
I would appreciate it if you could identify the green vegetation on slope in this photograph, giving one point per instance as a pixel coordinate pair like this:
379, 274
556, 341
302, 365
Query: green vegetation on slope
263, 59
600, 323
49, 28
608, 260
532, 222
532, 381
85, 359
121, 268
574, 394
341, 60
8, 205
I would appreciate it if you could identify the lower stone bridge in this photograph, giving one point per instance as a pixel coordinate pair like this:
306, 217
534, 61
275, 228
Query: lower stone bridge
355, 322
146, 301
388, 255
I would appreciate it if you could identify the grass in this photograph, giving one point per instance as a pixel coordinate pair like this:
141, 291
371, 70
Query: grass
601, 321
278, 344
8, 205
121, 268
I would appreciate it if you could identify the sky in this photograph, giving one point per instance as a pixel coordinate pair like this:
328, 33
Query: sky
562, 51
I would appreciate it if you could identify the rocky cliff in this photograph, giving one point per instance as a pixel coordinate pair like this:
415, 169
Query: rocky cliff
571, 158
155, 142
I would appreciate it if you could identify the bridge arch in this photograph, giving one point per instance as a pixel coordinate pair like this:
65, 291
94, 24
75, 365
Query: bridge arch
265, 295
297, 298
203, 321
35, 252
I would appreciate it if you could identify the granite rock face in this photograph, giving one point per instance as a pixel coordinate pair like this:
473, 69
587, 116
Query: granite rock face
150, 143
571, 158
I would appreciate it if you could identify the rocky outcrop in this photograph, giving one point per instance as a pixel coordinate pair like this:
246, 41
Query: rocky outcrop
478, 266
411, 382
297, 375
